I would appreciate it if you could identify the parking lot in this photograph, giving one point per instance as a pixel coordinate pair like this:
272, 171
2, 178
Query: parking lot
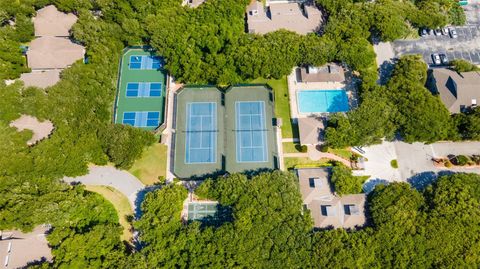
466, 46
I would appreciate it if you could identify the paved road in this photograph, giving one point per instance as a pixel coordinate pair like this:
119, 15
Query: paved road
466, 46
414, 161
121, 180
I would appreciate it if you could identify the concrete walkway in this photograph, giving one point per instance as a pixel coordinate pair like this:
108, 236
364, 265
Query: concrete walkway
172, 88
121, 180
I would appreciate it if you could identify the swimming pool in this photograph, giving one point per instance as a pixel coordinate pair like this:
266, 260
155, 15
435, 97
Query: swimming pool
321, 101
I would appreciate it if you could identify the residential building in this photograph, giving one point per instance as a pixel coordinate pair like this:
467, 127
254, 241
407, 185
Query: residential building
302, 18
312, 130
458, 91
52, 50
327, 209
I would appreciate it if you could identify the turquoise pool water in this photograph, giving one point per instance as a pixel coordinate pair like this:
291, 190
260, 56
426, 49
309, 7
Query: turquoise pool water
321, 101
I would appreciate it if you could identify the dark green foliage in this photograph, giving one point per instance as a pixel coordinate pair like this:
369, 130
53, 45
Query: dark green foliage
123, 144
468, 124
268, 231
457, 15
268, 228
403, 105
344, 182
461, 65
460, 160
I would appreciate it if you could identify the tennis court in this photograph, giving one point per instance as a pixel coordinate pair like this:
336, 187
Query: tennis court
200, 210
201, 132
251, 133
145, 62
141, 89
223, 131
144, 89
141, 119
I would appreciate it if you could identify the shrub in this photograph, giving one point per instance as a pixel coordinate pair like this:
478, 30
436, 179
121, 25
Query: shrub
394, 164
476, 159
461, 160
301, 148
461, 65
344, 182
448, 163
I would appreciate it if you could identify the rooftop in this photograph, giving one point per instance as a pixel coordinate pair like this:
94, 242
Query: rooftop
193, 3
296, 17
23, 248
326, 73
457, 90
41, 79
40, 129
51, 22
311, 130
53, 53
327, 209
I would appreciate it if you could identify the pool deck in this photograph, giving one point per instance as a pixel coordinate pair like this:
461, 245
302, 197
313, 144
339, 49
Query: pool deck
294, 87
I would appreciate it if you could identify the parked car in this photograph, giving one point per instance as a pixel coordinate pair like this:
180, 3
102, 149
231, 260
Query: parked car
436, 59
453, 33
438, 32
443, 58
445, 31
431, 32
423, 32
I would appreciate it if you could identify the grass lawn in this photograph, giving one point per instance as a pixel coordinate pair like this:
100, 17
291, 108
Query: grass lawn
344, 153
291, 163
151, 165
290, 147
121, 204
282, 104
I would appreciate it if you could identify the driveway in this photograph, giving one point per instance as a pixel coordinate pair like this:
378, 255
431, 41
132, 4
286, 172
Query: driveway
121, 180
466, 46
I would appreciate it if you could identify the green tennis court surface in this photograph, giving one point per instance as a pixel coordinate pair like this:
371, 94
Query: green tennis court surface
217, 132
141, 89
198, 211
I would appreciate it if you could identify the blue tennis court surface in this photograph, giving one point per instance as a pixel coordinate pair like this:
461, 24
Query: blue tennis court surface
144, 89
144, 62
321, 101
251, 135
141, 118
201, 132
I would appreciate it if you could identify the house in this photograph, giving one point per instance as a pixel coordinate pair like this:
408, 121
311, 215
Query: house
193, 3
327, 209
53, 53
52, 50
302, 18
18, 249
312, 130
329, 73
51, 22
458, 91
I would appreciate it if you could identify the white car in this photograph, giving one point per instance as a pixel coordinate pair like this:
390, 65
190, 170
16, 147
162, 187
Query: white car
453, 33
436, 59
445, 31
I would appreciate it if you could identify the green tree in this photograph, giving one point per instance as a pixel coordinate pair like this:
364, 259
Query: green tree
344, 182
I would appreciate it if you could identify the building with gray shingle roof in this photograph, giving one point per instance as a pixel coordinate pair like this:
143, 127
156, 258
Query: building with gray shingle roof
51, 22
296, 17
326, 208
458, 91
